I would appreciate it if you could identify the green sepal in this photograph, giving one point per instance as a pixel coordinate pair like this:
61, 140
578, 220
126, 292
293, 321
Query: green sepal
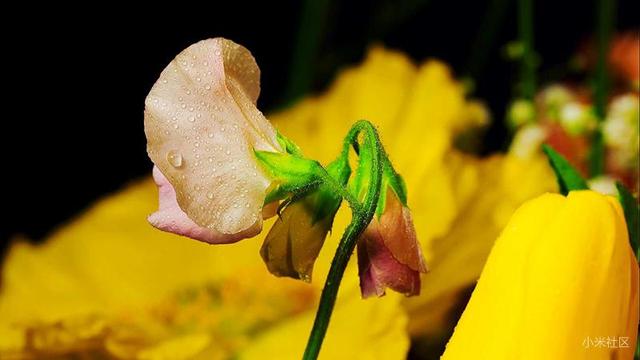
328, 199
360, 183
631, 215
390, 178
290, 174
567, 176
288, 145
395, 181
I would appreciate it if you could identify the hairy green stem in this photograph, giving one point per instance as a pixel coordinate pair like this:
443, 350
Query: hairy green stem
327, 179
359, 221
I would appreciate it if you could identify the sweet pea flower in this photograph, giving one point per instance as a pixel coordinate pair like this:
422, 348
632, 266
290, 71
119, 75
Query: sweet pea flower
389, 254
202, 129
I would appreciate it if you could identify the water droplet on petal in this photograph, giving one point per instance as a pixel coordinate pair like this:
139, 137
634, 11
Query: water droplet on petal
174, 158
208, 87
210, 196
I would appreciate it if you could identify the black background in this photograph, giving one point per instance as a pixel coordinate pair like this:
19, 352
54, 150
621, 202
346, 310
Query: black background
77, 78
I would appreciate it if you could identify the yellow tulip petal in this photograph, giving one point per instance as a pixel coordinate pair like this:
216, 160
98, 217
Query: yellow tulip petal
561, 273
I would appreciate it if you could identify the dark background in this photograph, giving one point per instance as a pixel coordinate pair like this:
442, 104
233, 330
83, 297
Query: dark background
77, 77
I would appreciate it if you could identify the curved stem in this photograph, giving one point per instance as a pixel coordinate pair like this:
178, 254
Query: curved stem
359, 222
327, 179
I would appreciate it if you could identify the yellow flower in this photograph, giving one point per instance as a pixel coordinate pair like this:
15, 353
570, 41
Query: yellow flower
108, 285
561, 277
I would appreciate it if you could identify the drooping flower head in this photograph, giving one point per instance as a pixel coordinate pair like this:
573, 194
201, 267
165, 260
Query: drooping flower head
202, 128
389, 254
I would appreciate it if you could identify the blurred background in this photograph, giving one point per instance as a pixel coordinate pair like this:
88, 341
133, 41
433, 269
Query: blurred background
78, 76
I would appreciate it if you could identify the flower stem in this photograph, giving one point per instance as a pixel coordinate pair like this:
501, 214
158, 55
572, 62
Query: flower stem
605, 17
359, 222
528, 62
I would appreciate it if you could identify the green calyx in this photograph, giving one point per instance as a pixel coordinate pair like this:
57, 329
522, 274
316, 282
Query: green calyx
291, 174
312, 196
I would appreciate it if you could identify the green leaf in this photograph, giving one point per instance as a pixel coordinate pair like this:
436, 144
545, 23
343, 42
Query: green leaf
631, 215
568, 177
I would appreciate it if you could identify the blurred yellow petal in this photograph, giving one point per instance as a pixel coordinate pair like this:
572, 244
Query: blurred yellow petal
561, 274
493, 189
108, 284
382, 338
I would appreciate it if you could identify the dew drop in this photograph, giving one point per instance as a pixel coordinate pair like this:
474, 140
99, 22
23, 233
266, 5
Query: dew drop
192, 118
184, 106
174, 158
210, 135
210, 196
228, 152
208, 87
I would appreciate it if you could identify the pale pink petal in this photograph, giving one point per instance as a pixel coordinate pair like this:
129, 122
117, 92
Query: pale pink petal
171, 218
202, 127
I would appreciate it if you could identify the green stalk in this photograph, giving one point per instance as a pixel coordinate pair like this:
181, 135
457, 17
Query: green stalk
481, 48
605, 14
359, 222
528, 63
313, 19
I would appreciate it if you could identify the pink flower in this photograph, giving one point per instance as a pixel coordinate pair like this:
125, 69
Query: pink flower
202, 128
389, 254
